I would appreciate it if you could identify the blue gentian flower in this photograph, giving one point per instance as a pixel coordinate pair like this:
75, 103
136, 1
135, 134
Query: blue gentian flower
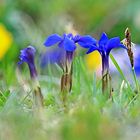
27, 55
68, 41
104, 47
67, 46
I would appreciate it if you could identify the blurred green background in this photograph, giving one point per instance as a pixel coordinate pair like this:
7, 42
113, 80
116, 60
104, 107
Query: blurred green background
25, 22
31, 21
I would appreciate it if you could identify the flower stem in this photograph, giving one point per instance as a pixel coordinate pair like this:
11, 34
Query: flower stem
33, 71
135, 79
66, 79
66, 84
38, 98
106, 85
106, 78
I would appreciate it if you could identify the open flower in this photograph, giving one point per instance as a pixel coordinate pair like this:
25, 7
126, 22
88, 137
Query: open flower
67, 47
104, 47
68, 41
27, 55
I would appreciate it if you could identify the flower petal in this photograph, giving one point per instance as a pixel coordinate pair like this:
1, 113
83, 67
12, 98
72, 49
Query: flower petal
122, 46
52, 56
114, 43
69, 44
69, 35
92, 48
84, 45
19, 62
103, 39
137, 70
61, 43
76, 38
52, 39
87, 39
27, 54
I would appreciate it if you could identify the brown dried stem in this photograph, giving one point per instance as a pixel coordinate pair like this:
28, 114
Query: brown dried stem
128, 43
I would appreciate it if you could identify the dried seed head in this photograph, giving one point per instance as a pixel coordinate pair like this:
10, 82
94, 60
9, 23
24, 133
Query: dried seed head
128, 44
128, 38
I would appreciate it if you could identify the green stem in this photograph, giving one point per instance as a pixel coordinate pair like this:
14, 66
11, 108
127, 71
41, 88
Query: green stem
106, 85
135, 79
120, 71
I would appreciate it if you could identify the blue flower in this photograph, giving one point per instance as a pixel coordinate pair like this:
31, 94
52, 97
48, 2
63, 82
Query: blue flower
52, 56
27, 55
66, 48
104, 47
68, 41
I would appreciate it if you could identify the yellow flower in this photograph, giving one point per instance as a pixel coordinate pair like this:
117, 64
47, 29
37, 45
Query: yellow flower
93, 61
6, 40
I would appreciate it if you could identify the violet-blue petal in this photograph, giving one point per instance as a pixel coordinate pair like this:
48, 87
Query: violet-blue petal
87, 39
114, 43
92, 48
122, 59
61, 43
69, 45
103, 39
122, 46
136, 51
70, 36
76, 38
20, 62
27, 55
55, 55
119, 46
137, 70
84, 45
52, 40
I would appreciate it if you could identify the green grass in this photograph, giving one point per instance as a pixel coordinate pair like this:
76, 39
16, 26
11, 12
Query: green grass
89, 115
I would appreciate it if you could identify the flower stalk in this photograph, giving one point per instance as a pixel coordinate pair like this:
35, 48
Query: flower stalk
106, 77
66, 79
38, 98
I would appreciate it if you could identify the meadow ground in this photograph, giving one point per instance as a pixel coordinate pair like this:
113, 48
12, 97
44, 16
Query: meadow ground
87, 113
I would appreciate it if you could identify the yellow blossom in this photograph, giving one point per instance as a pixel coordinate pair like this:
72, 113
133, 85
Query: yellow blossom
6, 40
93, 61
